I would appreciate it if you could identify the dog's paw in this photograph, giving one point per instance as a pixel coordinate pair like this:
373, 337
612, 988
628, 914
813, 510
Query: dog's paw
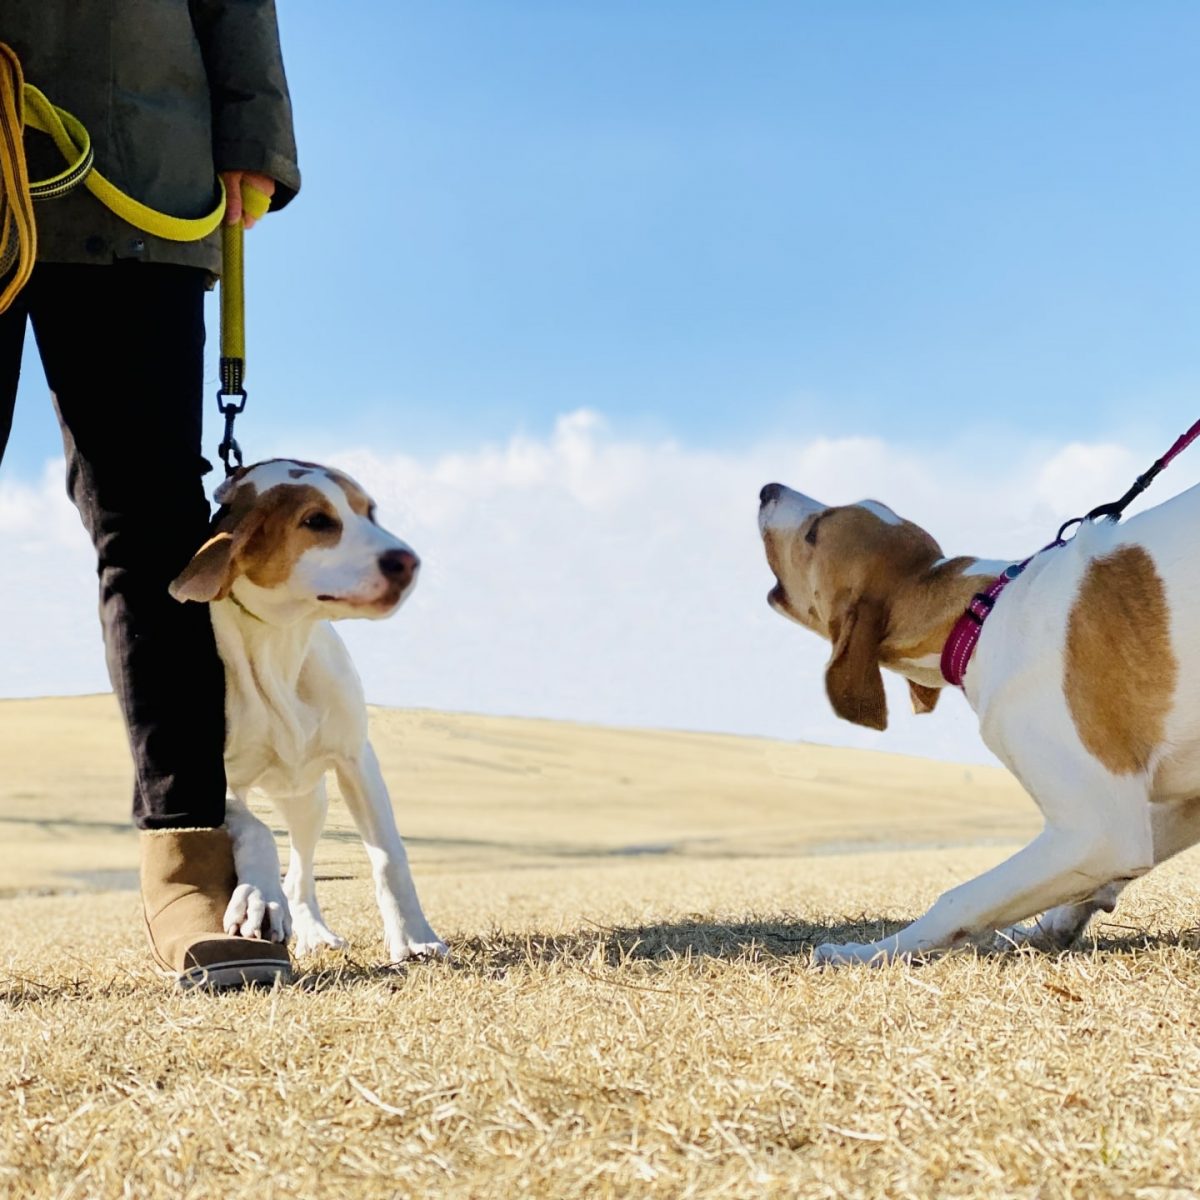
312, 934
255, 912
836, 955
403, 945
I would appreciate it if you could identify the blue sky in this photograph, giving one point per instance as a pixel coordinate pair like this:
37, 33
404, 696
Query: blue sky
933, 244
726, 220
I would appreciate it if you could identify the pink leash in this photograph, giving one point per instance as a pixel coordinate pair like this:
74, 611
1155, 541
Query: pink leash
960, 645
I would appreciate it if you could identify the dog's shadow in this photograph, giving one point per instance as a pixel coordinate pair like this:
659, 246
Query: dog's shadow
782, 941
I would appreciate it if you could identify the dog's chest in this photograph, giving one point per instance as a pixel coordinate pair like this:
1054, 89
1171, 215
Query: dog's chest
286, 728
280, 751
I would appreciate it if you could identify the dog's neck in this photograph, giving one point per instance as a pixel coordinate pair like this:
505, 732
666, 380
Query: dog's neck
923, 611
265, 656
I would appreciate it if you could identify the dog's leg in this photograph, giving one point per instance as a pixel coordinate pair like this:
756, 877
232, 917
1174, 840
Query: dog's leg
1060, 866
1098, 832
258, 906
305, 817
1174, 826
406, 931
1061, 927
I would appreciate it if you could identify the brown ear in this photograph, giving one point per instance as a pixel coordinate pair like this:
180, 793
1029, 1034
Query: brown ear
853, 680
209, 575
923, 698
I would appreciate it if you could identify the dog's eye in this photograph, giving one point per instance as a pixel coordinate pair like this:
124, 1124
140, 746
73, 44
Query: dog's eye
811, 536
319, 522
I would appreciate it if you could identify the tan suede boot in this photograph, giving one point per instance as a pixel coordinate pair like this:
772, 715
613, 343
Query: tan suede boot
188, 878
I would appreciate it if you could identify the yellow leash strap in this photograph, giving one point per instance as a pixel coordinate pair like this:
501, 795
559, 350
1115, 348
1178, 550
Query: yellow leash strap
75, 146
231, 397
22, 105
18, 249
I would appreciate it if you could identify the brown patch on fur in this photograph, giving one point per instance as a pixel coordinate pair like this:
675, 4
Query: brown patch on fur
924, 699
853, 681
258, 536
360, 503
278, 539
1120, 670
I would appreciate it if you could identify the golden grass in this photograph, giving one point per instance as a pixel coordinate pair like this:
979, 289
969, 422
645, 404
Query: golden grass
607, 1025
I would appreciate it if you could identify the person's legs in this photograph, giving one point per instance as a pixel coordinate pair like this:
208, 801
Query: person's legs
123, 348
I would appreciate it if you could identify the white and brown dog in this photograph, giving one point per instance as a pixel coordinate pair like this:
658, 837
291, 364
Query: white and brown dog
294, 547
1085, 679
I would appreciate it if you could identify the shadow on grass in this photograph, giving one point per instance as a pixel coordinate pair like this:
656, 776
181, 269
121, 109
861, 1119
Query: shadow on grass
766, 942
780, 942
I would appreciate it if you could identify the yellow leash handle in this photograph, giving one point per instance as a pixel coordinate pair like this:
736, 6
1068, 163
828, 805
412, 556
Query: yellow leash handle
255, 203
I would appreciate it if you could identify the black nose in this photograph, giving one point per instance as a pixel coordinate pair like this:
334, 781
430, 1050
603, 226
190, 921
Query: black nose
769, 493
400, 565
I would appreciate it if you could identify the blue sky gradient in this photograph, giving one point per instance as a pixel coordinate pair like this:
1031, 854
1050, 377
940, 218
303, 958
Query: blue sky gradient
724, 221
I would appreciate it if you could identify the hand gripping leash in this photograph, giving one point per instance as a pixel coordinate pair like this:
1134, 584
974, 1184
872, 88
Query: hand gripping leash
231, 395
22, 106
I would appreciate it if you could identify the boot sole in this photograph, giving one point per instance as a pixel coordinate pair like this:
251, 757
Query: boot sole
223, 977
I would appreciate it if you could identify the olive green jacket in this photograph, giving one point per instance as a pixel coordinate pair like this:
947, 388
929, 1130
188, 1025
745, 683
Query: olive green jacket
171, 91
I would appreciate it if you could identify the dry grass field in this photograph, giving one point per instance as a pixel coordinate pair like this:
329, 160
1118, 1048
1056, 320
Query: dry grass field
629, 1007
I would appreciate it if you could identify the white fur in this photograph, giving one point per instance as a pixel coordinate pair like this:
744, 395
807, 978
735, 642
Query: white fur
295, 710
1102, 829
881, 511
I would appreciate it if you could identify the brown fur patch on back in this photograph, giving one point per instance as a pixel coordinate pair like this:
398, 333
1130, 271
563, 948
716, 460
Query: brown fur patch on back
1120, 670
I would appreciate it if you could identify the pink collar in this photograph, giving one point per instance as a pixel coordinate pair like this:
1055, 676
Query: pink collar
960, 645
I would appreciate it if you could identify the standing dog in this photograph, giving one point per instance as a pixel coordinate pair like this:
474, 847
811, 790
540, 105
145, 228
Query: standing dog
1085, 679
294, 547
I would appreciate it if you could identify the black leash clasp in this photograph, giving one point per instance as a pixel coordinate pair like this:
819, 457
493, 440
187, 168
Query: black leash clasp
1114, 509
231, 400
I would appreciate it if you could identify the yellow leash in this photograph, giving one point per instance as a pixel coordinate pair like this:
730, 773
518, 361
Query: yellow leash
23, 105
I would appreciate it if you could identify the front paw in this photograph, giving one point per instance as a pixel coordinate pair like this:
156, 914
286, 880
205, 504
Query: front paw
258, 912
415, 943
838, 955
312, 934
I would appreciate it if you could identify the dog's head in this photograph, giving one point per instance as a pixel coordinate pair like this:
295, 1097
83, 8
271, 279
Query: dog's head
293, 539
839, 571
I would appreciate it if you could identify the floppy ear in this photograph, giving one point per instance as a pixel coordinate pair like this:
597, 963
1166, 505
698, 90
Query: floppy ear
853, 680
209, 575
923, 698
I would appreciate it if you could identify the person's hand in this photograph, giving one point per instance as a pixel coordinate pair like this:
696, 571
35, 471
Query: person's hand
234, 182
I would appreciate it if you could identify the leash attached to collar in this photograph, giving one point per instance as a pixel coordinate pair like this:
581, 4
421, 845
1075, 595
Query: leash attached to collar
960, 645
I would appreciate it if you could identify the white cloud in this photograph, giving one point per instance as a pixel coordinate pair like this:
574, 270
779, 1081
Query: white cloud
591, 577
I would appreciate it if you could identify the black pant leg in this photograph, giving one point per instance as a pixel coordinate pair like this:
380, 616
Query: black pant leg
12, 340
123, 346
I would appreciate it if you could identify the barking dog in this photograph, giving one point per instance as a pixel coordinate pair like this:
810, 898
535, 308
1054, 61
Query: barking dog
1085, 681
296, 546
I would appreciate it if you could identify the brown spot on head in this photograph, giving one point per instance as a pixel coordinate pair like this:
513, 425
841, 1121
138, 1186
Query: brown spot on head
359, 501
259, 536
1120, 672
